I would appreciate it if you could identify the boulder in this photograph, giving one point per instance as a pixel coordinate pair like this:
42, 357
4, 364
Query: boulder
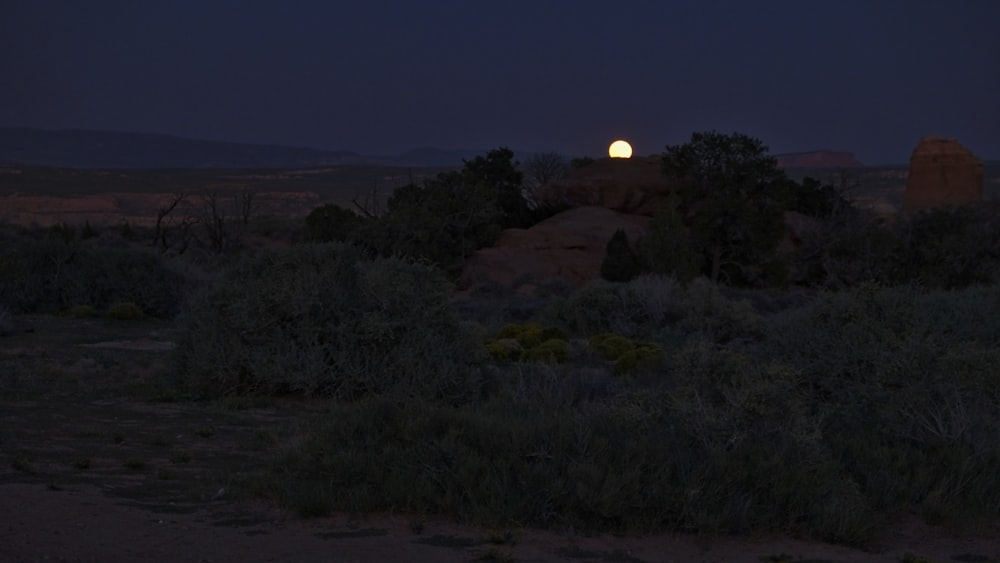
569, 246
942, 172
628, 185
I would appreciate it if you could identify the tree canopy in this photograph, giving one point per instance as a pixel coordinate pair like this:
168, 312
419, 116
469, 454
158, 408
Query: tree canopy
731, 196
448, 218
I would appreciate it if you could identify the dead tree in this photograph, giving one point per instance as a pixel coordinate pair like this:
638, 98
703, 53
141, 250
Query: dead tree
246, 201
540, 169
215, 223
162, 220
371, 208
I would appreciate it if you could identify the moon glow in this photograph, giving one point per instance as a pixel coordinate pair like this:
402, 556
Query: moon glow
620, 149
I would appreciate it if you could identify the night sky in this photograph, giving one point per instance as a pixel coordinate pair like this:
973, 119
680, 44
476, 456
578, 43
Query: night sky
868, 76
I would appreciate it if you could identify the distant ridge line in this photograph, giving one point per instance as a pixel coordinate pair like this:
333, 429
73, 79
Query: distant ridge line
85, 148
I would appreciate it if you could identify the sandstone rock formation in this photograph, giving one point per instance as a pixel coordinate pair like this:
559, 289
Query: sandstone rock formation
942, 172
570, 245
629, 185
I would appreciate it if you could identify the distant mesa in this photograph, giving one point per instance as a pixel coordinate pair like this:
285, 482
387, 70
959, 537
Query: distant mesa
942, 172
818, 159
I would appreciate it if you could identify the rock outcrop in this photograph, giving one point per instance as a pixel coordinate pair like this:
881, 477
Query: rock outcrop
569, 246
942, 172
629, 185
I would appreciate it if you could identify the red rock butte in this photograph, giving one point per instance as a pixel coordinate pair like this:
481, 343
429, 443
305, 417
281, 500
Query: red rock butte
942, 172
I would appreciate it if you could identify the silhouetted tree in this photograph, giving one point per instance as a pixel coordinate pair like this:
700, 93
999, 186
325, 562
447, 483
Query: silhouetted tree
732, 201
620, 262
542, 168
666, 247
331, 222
497, 173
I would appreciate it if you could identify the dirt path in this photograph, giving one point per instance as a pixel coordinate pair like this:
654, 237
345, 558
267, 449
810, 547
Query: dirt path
84, 525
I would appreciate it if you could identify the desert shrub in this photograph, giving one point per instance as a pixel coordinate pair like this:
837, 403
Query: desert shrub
329, 223
51, 275
657, 308
595, 308
530, 334
527, 334
326, 320
505, 349
610, 345
848, 251
952, 247
755, 424
946, 247
966, 315
826, 417
643, 356
710, 314
529, 342
905, 389
125, 311
551, 351
629, 463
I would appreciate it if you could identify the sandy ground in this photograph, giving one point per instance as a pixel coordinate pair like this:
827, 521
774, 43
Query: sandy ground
87, 525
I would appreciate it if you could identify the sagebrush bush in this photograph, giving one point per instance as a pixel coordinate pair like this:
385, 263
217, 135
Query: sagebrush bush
629, 463
529, 342
658, 308
52, 274
903, 379
952, 247
835, 417
598, 307
551, 351
610, 345
505, 349
327, 320
948, 247
125, 311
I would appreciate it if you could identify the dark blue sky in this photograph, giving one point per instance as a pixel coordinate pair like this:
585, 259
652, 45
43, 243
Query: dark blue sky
380, 77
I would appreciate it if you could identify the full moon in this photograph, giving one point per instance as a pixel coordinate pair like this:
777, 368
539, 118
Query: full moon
620, 149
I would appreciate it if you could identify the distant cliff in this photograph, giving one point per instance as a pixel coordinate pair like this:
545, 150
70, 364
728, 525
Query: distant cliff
818, 159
